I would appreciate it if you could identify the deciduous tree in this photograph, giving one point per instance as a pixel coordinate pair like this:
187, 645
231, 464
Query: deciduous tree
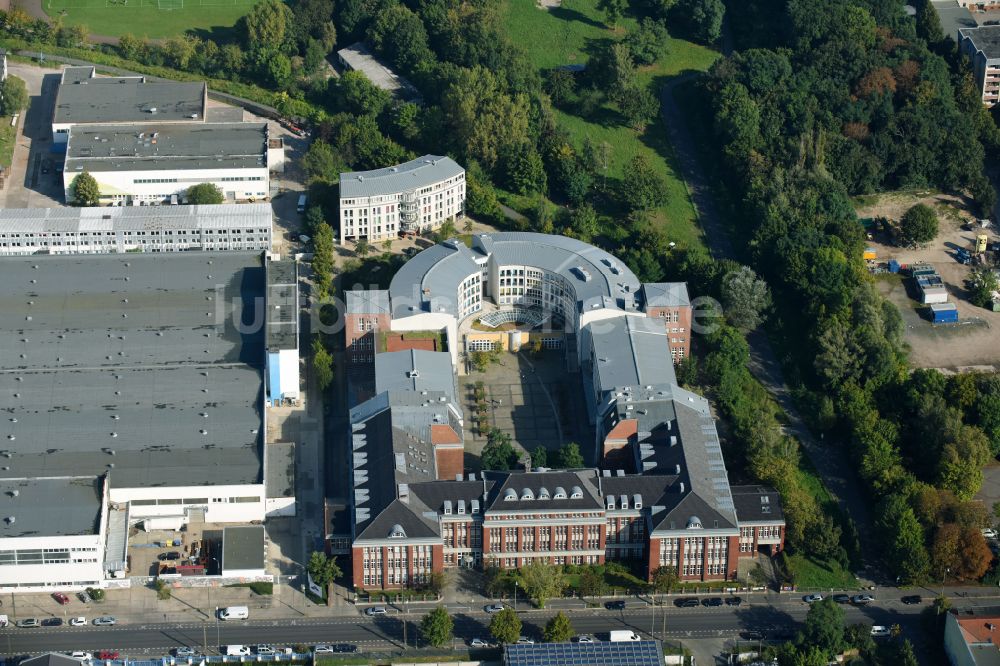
824, 627
745, 298
437, 627
13, 95
266, 24
643, 188
558, 630
505, 627
918, 225
85, 190
322, 364
204, 193
498, 453
541, 581
570, 456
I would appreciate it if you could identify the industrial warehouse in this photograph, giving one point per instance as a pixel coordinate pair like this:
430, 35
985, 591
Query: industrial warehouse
133, 397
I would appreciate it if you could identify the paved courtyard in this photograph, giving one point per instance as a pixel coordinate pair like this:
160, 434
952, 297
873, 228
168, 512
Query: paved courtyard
533, 399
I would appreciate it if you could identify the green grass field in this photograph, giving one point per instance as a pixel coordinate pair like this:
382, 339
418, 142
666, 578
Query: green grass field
155, 19
7, 136
567, 35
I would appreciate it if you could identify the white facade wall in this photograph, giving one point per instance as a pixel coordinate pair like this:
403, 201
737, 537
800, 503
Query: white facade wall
84, 565
377, 218
288, 371
157, 186
222, 504
104, 242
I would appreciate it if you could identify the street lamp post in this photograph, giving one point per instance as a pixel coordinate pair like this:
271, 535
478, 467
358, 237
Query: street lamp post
218, 639
515, 596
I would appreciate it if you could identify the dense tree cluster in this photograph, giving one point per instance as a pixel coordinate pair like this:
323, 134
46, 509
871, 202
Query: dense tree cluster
847, 99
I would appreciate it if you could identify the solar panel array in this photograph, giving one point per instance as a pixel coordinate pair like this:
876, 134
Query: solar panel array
631, 653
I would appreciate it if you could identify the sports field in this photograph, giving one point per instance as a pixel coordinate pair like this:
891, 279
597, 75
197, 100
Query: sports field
148, 18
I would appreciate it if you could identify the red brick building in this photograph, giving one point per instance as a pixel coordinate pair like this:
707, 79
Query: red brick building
366, 313
670, 303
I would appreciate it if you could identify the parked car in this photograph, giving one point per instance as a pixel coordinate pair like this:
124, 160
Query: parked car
78, 622
494, 608
712, 602
61, 598
264, 649
990, 533
686, 602
172, 555
912, 599
478, 643
842, 598
584, 638
107, 655
81, 655
880, 630
322, 649
84, 597
615, 605
812, 598
376, 610
28, 623
52, 622
105, 621
734, 601
862, 599
184, 652
752, 635
345, 648
524, 640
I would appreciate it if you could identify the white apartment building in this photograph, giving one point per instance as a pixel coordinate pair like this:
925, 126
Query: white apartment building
982, 46
413, 197
152, 163
104, 230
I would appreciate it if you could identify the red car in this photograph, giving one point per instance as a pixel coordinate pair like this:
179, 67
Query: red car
60, 597
107, 655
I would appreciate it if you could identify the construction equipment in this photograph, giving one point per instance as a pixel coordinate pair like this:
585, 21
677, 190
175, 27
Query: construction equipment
981, 243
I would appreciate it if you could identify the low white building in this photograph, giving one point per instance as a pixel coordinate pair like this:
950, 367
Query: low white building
104, 230
83, 98
414, 197
152, 163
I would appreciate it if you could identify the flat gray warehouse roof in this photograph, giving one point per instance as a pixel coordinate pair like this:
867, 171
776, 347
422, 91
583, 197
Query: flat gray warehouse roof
155, 147
124, 354
985, 38
134, 218
282, 314
411, 175
82, 99
243, 547
50, 507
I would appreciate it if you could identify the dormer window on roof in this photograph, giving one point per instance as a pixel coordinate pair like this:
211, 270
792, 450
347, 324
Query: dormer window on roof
560, 493
397, 532
694, 523
576, 493
510, 495
527, 494
543, 493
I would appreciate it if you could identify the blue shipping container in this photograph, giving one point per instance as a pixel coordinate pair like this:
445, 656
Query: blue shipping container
944, 313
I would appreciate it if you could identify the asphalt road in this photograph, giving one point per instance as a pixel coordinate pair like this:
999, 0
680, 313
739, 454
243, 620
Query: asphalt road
386, 632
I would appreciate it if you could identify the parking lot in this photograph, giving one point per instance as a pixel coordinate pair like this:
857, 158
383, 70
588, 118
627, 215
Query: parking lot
149, 552
968, 344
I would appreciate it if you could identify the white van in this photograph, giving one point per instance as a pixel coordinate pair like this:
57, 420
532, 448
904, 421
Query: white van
234, 613
302, 204
237, 650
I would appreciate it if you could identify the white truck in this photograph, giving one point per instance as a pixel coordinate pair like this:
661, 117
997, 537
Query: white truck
623, 635
237, 650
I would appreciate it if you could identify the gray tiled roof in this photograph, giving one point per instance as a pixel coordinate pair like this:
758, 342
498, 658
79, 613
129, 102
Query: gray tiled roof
429, 281
665, 294
404, 177
81, 99
367, 301
135, 218
415, 370
585, 480
162, 147
985, 38
113, 359
631, 351
64, 506
757, 504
